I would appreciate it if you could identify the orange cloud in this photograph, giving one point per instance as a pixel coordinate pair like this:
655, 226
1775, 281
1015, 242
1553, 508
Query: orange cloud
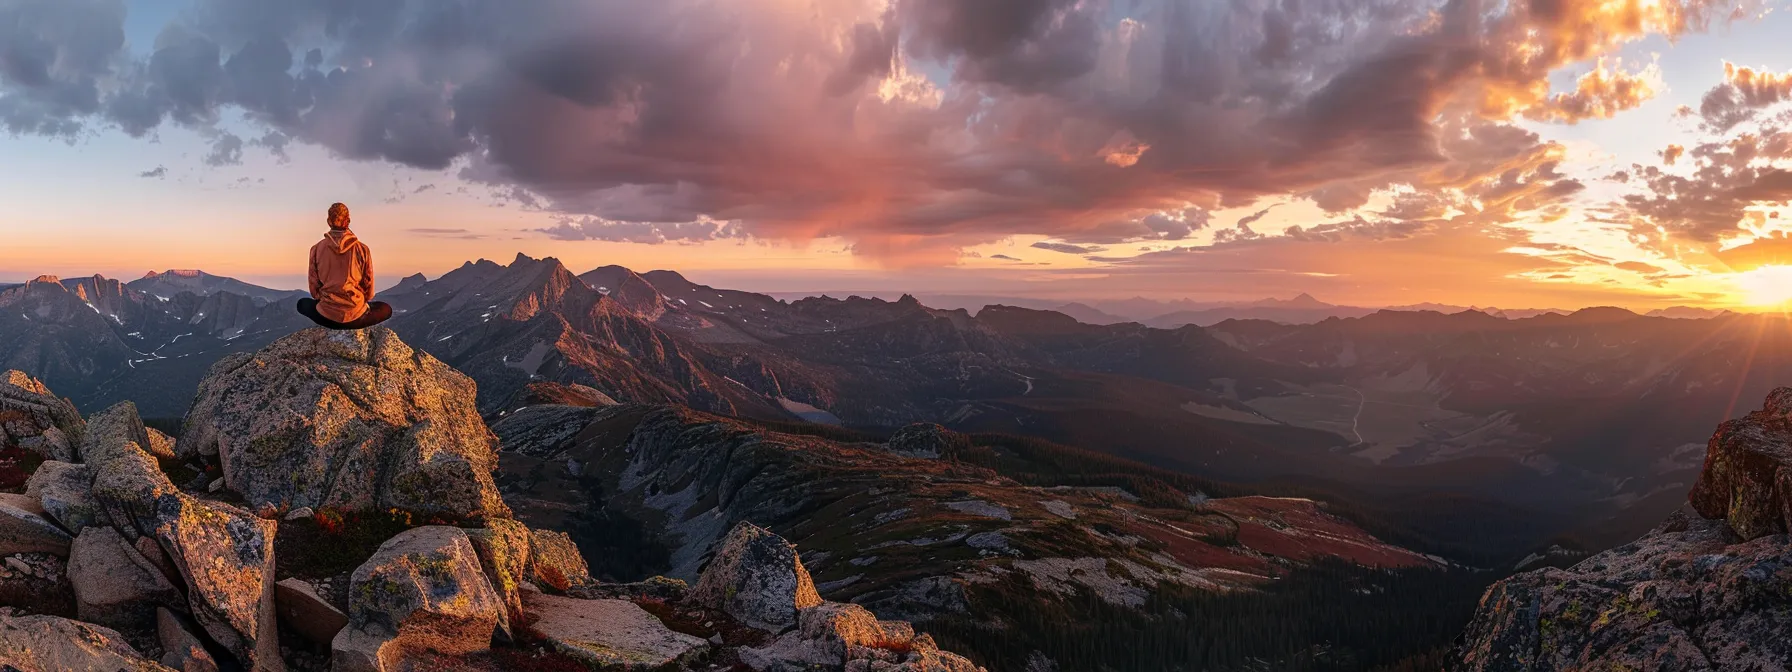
1599, 94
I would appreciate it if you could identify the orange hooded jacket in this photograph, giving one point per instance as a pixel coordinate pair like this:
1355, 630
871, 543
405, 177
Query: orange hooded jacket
341, 276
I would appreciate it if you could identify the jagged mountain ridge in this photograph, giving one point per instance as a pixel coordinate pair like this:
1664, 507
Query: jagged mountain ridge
171, 283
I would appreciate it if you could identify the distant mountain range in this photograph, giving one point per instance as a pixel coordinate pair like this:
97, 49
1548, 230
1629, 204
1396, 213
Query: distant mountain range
1589, 411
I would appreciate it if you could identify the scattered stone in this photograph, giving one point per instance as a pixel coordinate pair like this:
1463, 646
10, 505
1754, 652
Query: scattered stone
181, 649
555, 561
115, 585
37, 583
226, 557
45, 643
305, 612
609, 633
757, 577
216, 485
423, 590
351, 420
1060, 508
300, 513
65, 491
22, 531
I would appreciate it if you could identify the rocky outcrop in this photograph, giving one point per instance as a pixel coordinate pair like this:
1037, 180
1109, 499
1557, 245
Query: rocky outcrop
127, 482
1709, 589
226, 558
115, 585
33, 418
45, 643
757, 577
1747, 479
65, 491
422, 591
613, 634
926, 440
353, 420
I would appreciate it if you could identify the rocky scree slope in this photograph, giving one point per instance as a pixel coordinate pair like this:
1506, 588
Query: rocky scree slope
266, 545
1708, 589
907, 527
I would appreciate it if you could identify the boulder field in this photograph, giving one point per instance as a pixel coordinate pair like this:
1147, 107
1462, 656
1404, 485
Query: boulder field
330, 505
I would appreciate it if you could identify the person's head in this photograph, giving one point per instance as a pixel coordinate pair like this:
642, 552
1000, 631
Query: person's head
338, 217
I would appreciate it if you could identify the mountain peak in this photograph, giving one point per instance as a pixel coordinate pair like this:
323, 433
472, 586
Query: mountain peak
47, 278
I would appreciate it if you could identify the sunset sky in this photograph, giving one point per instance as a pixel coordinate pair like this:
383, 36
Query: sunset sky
1528, 153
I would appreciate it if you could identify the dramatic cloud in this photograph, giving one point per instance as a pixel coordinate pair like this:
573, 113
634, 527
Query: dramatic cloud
1600, 94
911, 128
1743, 94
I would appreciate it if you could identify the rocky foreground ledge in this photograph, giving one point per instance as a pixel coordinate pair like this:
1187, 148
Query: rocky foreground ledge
330, 506
1709, 589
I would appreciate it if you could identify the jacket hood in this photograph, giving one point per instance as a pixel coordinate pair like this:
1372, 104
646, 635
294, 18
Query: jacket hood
343, 239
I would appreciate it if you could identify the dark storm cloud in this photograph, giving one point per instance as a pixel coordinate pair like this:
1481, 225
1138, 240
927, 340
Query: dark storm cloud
1091, 121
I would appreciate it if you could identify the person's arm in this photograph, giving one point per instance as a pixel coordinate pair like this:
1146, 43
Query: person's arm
317, 285
367, 272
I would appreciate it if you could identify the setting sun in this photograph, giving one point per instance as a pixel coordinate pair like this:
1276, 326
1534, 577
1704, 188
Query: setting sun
1765, 286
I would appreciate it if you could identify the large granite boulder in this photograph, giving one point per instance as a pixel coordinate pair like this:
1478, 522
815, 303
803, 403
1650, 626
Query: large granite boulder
128, 483
1748, 470
353, 420
423, 591
756, 577
835, 635
611, 634
65, 491
555, 561
46, 643
115, 585
33, 418
226, 558
503, 549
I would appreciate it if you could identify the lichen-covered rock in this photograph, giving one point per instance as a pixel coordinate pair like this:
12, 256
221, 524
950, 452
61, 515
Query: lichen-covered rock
65, 491
1690, 595
347, 420
307, 613
925, 440
181, 649
115, 585
160, 446
127, 482
37, 583
613, 634
24, 503
555, 561
33, 418
50, 643
756, 577
22, 531
1747, 478
830, 634
503, 549
226, 557
422, 591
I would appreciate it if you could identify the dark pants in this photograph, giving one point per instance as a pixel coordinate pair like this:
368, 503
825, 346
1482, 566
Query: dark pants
377, 312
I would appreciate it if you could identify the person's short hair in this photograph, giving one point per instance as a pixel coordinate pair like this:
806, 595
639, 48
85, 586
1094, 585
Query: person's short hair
338, 213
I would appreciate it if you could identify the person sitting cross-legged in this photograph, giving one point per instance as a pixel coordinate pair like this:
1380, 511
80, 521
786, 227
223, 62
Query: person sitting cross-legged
341, 279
